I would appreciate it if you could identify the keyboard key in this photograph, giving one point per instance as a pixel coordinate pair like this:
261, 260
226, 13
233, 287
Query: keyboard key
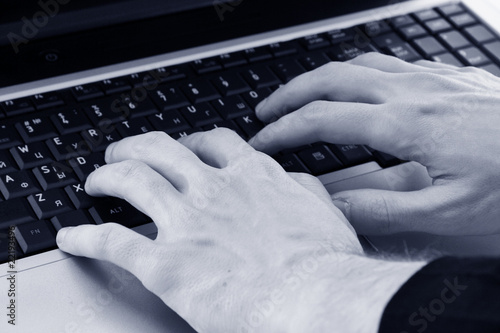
426, 15
385, 160
151, 79
254, 97
36, 129
115, 85
78, 196
67, 146
168, 98
341, 35
169, 122
404, 52
283, 49
70, 121
412, 31
71, 219
201, 114
462, 20
429, 46
86, 92
260, 77
105, 111
448, 10
230, 84
134, 127
200, 91
375, 28
17, 106
207, 65
257, 54
181, 134
9, 137
345, 51
387, 40
225, 124
287, 69
7, 164
47, 100
31, 155
400, 21
291, 163
438, 25
454, 40
99, 140
479, 34
231, 107
249, 124
448, 58
50, 203
232, 59
18, 184
351, 154
35, 236
118, 211
52, 176
494, 50
493, 69
314, 60
314, 42
85, 165
14, 212
319, 160
135, 108
473, 56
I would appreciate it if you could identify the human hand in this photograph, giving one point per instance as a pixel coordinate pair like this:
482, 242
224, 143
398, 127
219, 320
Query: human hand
236, 234
443, 117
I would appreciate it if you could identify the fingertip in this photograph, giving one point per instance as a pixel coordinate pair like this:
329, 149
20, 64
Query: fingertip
61, 237
260, 107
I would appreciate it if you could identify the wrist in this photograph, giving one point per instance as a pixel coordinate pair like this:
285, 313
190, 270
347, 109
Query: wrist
348, 295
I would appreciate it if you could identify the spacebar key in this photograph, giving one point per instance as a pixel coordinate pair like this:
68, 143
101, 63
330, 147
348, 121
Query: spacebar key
118, 211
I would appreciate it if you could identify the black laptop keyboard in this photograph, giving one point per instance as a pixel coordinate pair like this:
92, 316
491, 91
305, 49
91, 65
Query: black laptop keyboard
50, 143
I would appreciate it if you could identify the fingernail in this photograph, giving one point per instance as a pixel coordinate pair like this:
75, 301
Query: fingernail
259, 106
61, 235
343, 205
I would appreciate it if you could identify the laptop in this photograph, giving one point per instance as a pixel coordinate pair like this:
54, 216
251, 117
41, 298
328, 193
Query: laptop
77, 75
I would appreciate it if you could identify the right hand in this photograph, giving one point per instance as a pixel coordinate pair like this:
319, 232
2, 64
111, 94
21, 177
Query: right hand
445, 118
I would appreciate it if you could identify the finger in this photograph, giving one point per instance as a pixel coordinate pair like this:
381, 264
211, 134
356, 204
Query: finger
217, 147
334, 82
380, 212
162, 153
334, 122
435, 65
135, 182
312, 184
111, 242
385, 63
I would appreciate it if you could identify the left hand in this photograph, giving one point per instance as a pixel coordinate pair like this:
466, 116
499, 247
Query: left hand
232, 226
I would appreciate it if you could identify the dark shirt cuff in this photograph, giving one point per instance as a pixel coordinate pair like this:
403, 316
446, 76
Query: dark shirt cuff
448, 295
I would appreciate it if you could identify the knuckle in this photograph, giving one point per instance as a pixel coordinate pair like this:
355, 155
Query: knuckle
368, 58
143, 144
102, 239
128, 169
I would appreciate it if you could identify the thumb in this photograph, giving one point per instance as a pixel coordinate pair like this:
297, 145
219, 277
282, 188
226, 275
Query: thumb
111, 242
381, 212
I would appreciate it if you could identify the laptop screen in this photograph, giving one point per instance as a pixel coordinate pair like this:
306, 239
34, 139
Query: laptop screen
94, 33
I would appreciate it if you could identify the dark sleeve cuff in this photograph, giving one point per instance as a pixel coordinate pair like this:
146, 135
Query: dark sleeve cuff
447, 295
